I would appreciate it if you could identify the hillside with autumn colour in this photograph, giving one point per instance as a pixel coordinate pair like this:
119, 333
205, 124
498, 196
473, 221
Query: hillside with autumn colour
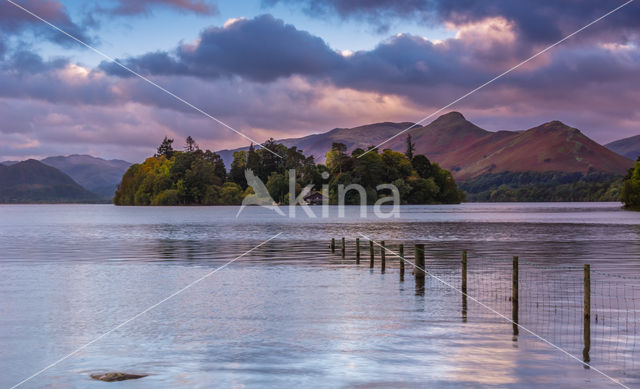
469, 151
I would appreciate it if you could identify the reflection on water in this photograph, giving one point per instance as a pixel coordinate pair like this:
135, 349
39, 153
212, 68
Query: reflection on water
293, 313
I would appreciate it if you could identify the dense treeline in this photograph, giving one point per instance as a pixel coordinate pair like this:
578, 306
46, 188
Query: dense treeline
418, 180
173, 177
544, 186
194, 176
631, 188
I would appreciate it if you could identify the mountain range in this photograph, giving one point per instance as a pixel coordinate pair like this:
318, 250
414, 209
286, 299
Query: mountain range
74, 178
97, 175
32, 181
470, 151
629, 147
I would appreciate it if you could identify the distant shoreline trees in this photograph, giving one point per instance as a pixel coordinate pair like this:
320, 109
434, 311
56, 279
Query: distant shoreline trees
549, 186
196, 177
631, 188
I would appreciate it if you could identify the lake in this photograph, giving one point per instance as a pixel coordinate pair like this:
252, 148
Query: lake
292, 313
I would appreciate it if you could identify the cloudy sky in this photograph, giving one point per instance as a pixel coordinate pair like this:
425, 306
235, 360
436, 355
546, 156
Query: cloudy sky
284, 68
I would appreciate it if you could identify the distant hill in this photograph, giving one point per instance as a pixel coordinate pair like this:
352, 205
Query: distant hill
31, 181
97, 175
629, 147
318, 144
470, 151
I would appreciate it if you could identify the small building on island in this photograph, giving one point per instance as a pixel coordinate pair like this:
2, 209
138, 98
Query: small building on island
314, 198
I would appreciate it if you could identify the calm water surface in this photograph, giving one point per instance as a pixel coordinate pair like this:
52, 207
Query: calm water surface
291, 313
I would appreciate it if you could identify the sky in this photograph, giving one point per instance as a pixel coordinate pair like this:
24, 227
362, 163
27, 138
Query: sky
288, 68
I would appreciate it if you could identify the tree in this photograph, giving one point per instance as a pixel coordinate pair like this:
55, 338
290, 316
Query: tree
191, 144
422, 165
411, 147
339, 147
369, 170
238, 166
397, 165
270, 162
337, 158
278, 186
218, 164
231, 194
254, 162
631, 188
165, 148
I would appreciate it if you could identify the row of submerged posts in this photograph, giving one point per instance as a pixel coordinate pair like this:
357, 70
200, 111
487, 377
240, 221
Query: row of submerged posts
420, 271
419, 249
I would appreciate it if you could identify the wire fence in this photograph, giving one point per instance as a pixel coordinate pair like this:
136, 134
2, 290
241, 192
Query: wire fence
587, 312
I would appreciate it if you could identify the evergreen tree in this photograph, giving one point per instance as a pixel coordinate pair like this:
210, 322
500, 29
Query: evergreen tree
191, 145
253, 161
239, 164
165, 148
411, 147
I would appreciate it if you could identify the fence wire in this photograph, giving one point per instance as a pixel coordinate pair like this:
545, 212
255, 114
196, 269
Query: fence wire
551, 300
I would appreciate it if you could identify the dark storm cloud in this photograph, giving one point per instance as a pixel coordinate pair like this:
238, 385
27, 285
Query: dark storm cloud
265, 49
159, 62
26, 75
128, 7
404, 62
14, 20
27, 62
261, 49
547, 21
380, 13
536, 20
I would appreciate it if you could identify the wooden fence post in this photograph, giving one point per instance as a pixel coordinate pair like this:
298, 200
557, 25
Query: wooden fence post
464, 286
419, 269
401, 250
383, 262
371, 253
343, 247
514, 296
358, 250
464, 272
587, 313
333, 245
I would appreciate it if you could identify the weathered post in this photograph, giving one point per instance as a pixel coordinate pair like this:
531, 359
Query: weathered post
371, 253
464, 272
587, 313
514, 296
464, 286
333, 245
419, 286
358, 251
382, 257
419, 269
343, 247
401, 252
